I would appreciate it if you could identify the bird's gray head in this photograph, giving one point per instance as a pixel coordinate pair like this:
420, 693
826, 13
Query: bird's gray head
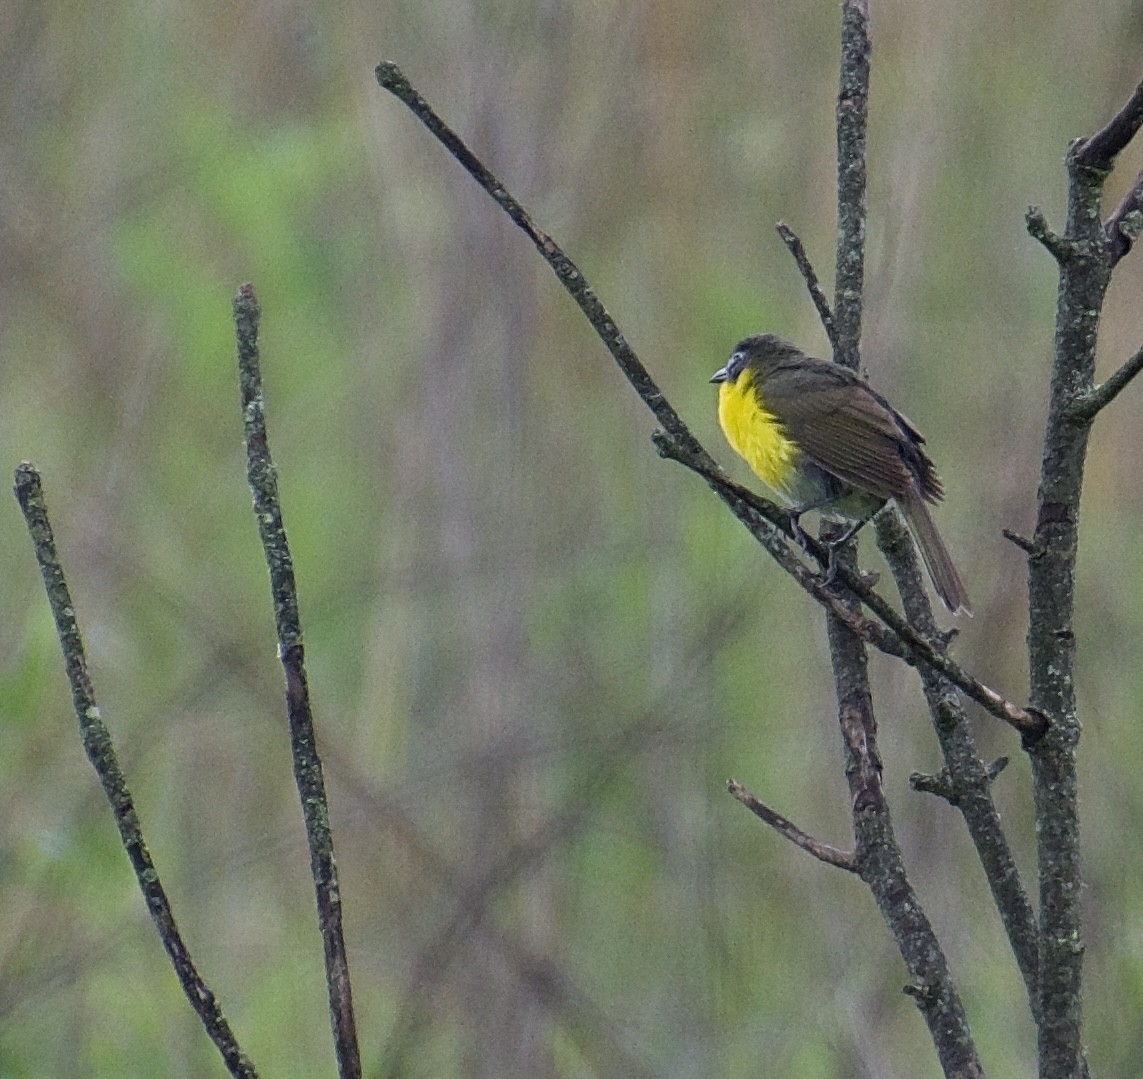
759, 348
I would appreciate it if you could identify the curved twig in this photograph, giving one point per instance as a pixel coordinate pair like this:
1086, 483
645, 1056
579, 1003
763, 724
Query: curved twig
823, 852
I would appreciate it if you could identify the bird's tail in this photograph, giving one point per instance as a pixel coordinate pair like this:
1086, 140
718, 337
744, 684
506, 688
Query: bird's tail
934, 553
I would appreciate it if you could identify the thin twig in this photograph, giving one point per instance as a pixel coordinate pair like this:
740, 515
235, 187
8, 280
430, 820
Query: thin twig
1125, 224
817, 294
1019, 540
966, 772
823, 852
1085, 407
1060, 248
676, 438
100, 751
307, 764
943, 785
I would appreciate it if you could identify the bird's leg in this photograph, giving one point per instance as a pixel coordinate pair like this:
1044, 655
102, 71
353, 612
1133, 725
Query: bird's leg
801, 536
835, 545
849, 533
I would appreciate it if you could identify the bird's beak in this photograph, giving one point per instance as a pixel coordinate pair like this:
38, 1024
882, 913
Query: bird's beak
721, 375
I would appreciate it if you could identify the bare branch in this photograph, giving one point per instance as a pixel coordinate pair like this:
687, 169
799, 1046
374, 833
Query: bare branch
677, 442
1084, 409
796, 248
823, 852
882, 868
303, 744
877, 852
1101, 149
100, 751
1084, 276
1126, 223
964, 767
852, 122
1021, 541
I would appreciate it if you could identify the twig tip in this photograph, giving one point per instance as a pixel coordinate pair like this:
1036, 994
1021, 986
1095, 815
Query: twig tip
27, 481
390, 76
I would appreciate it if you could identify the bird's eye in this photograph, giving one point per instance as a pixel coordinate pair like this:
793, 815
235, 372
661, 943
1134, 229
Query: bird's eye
737, 362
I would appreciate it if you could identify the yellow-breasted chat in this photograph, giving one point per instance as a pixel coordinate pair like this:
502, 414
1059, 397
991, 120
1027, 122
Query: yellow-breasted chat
822, 439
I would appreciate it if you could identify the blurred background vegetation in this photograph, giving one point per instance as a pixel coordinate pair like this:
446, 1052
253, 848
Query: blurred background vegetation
537, 650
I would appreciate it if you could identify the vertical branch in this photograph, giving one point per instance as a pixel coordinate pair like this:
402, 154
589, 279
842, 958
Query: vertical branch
880, 865
307, 764
968, 784
877, 852
1084, 274
1085, 255
852, 115
964, 764
1085, 262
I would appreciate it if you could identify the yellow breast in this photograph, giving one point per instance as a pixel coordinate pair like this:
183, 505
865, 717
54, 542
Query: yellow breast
755, 434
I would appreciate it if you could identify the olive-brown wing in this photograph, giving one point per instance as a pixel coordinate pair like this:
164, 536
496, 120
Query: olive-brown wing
847, 430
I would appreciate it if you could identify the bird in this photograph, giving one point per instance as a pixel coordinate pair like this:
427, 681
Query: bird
823, 439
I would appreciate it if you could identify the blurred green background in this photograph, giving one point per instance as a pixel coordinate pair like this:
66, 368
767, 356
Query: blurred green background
537, 651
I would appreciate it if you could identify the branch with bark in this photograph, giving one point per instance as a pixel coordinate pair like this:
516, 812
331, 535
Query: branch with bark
100, 751
263, 479
1086, 253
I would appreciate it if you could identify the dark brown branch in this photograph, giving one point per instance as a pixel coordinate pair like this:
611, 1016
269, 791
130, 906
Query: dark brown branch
969, 778
1084, 277
880, 865
1084, 409
100, 751
1021, 541
817, 294
877, 852
950, 722
303, 744
852, 122
1101, 149
823, 852
1125, 224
